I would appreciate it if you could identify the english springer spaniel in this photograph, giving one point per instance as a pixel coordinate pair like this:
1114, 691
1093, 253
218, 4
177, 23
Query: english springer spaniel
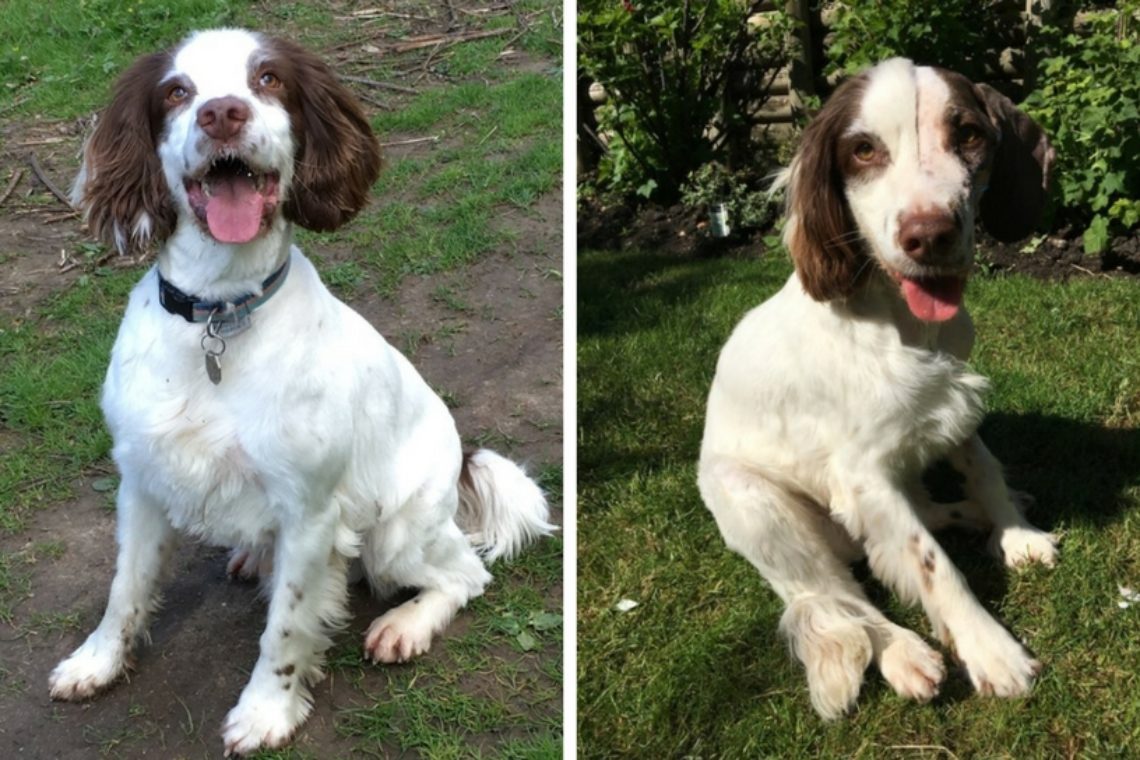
251, 408
831, 398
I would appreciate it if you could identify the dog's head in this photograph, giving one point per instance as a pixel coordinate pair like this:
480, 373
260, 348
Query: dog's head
894, 171
228, 131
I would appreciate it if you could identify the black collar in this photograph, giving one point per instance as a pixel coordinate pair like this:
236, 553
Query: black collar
192, 309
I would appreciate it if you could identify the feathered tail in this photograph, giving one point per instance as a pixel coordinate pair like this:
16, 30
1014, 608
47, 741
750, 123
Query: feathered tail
500, 509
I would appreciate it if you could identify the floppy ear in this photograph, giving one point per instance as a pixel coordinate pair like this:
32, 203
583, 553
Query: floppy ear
820, 233
1019, 179
338, 157
120, 189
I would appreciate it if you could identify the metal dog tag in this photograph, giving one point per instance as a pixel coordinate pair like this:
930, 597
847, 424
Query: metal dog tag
213, 367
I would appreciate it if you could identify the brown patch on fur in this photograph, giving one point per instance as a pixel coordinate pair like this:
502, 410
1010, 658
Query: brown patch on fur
985, 688
338, 156
828, 261
285, 671
124, 178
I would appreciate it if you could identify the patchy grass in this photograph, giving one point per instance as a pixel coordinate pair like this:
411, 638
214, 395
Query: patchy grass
697, 668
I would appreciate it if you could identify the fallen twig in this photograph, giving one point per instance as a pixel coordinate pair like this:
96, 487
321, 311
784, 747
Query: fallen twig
16, 177
39, 172
373, 101
381, 85
415, 43
412, 141
1080, 268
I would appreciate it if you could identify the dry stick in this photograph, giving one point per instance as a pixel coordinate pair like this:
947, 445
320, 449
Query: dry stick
413, 141
427, 61
373, 101
415, 43
16, 177
39, 172
381, 85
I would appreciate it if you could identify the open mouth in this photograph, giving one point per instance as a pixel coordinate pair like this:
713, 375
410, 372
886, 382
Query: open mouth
934, 298
232, 199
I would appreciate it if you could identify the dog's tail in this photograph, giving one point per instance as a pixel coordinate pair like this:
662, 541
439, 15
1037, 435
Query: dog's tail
500, 509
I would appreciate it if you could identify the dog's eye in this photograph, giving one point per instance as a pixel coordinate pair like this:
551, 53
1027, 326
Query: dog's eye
970, 136
864, 151
177, 94
269, 81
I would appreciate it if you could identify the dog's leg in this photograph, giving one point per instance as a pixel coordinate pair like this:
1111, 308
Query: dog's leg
831, 625
904, 555
307, 597
1013, 538
448, 573
145, 539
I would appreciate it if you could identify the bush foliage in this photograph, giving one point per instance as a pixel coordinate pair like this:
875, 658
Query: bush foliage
1088, 100
667, 66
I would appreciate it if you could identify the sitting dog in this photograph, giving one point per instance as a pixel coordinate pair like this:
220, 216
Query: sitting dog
831, 398
251, 408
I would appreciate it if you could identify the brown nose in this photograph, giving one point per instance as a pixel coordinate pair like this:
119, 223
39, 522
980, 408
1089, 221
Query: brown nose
928, 235
223, 118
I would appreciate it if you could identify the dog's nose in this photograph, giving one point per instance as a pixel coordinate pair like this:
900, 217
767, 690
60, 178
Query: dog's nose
223, 118
928, 236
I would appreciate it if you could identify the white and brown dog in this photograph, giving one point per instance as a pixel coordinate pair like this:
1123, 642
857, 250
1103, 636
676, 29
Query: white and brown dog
831, 398
251, 408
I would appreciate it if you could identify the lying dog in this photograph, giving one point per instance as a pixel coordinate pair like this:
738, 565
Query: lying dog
251, 408
831, 398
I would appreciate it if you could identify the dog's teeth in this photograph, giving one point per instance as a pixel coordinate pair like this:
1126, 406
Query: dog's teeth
206, 189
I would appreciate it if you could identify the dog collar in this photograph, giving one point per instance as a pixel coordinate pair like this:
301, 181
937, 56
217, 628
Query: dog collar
194, 310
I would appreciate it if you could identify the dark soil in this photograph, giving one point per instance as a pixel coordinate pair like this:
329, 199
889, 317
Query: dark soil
681, 231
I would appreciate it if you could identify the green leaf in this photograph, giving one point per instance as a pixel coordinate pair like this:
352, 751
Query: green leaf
526, 641
104, 485
545, 621
1096, 236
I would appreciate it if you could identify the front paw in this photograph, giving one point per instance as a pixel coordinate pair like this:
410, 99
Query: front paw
92, 667
913, 669
1018, 546
997, 663
264, 718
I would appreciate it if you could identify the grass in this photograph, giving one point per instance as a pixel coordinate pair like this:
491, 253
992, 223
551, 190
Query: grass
697, 670
493, 689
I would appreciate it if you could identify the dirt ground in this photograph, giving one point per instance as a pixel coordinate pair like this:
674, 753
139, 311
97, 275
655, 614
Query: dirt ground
499, 366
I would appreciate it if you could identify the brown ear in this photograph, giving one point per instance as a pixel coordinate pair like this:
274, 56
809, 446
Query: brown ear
338, 157
1019, 180
820, 234
121, 190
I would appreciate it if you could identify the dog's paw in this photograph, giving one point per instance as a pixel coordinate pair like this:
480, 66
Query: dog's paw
249, 564
263, 719
912, 668
397, 636
89, 669
997, 663
1019, 546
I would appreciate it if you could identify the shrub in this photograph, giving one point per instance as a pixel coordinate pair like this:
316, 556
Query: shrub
667, 67
1088, 100
956, 34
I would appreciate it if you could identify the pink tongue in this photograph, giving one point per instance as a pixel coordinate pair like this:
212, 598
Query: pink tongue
234, 209
935, 299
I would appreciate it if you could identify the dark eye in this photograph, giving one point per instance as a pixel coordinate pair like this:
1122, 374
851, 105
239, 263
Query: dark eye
970, 136
864, 151
177, 94
269, 81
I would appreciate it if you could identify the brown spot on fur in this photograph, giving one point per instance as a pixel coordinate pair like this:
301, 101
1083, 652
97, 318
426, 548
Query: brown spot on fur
985, 688
287, 685
285, 671
286, 633
338, 156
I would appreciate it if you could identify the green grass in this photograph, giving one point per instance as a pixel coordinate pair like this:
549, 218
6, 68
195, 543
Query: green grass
58, 58
697, 668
